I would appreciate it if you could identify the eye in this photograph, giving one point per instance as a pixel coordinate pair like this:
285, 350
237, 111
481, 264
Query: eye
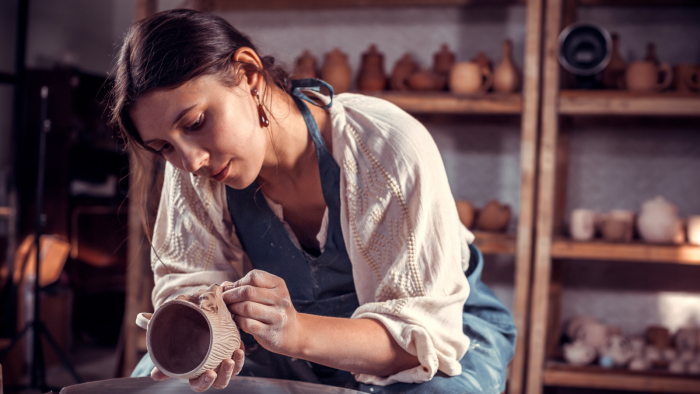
197, 123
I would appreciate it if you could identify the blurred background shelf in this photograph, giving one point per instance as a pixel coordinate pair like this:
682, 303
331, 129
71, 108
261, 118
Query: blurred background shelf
614, 102
230, 5
449, 103
495, 243
4, 212
564, 248
560, 374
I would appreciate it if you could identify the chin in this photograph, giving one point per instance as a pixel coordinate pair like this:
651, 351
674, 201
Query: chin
239, 183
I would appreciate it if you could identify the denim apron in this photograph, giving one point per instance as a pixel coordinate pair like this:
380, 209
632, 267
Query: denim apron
323, 285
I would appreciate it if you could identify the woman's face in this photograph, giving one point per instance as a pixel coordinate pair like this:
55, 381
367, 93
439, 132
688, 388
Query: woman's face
205, 128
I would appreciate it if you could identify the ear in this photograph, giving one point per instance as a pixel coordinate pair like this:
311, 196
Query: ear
248, 55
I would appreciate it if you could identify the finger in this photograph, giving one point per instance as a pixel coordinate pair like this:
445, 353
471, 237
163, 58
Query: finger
260, 295
251, 326
223, 374
203, 382
157, 375
262, 313
238, 360
258, 278
225, 284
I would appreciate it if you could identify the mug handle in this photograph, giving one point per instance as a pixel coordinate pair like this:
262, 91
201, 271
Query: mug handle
486, 85
142, 320
668, 76
693, 79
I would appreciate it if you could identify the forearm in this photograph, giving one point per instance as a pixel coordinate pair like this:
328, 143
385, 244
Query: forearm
356, 345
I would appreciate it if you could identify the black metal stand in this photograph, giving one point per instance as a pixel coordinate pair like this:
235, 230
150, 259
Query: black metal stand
38, 369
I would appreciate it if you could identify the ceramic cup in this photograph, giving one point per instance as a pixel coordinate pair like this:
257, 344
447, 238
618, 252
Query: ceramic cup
694, 230
643, 76
686, 78
582, 224
618, 226
191, 334
469, 77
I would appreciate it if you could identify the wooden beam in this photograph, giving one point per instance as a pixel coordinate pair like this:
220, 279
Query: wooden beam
494, 243
640, 3
239, 5
637, 251
621, 102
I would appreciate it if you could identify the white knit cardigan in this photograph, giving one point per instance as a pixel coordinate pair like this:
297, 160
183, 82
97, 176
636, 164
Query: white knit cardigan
399, 222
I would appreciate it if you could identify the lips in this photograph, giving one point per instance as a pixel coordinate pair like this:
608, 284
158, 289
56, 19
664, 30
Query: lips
222, 174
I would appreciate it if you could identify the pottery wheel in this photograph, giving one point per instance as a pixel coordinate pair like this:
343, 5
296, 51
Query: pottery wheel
238, 384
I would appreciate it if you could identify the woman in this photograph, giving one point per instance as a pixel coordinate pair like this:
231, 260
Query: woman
329, 219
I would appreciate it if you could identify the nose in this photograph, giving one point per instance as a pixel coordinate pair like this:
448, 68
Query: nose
193, 158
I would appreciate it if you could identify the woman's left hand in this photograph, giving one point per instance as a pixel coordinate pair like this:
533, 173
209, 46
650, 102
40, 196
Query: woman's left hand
262, 307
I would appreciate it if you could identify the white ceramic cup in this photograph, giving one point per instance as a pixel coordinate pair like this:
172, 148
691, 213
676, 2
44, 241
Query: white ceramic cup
582, 224
694, 230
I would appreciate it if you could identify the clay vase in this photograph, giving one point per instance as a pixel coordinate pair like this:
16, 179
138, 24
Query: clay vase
425, 80
190, 334
506, 77
583, 224
694, 230
613, 76
686, 78
659, 222
403, 69
305, 66
372, 77
643, 76
465, 210
482, 60
443, 61
336, 71
468, 77
618, 226
651, 54
578, 353
493, 217
658, 337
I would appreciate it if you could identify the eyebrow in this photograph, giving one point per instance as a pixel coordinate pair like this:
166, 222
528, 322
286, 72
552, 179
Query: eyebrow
177, 119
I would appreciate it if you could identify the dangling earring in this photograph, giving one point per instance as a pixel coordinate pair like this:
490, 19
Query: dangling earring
264, 122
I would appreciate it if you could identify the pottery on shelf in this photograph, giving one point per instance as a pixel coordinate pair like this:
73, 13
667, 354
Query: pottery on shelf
617, 226
482, 60
618, 349
443, 61
506, 77
643, 76
493, 217
686, 78
677, 367
588, 330
425, 80
305, 66
467, 77
372, 77
582, 224
686, 355
659, 222
336, 71
694, 367
403, 69
466, 212
579, 353
637, 345
190, 334
687, 339
651, 54
639, 364
669, 354
652, 354
613, 76
694, 230
659, 337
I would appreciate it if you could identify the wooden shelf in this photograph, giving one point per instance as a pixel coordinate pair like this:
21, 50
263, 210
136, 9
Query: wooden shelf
494, 243
638, 3
564, 375
237, 5
448, 103
5, 212
563, 248
620, 102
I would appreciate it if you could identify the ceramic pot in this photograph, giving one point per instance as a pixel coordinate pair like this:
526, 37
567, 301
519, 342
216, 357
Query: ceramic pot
425, 80
686, 339
637, 345
578, 353
613, 76
190, 334
305, 66
658, 337
443, 61
618, 349
643, 76
336, 71
659, 222
677, 367
467, 77
493, 217
482, 60
694, 230
506, 77
403, 69
465, 210
618, 226
686, 78
372, 77
694, 367
651, 54
639, 364
583, 224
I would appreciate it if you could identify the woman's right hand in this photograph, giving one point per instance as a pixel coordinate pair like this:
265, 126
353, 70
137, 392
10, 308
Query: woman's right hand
218, 378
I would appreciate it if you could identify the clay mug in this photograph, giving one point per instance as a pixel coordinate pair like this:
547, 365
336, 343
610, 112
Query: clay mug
643, 76
694, 230
191, 334
686, 78
466, 212
659, 222
618, 226
582, 224
469, 77
336, 71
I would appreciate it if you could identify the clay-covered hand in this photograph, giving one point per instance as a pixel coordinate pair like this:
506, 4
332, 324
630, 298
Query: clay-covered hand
218, 378
261, 306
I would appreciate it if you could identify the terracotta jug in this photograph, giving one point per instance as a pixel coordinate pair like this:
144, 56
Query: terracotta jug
482, 60
305, 66
614, 73
686, 78
493, 217
659, 222
465, 210
426, 80
643, 76
506, 77
403, 69
468, 77
618, 226
443, 61
191, 334
336, 71
371, 77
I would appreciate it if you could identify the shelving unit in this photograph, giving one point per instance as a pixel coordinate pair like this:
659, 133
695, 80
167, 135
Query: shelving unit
448, 103
552, 250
